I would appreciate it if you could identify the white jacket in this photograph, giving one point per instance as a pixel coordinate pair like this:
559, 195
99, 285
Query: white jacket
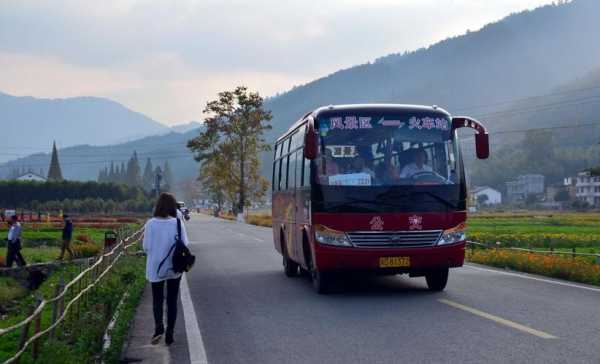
159, 237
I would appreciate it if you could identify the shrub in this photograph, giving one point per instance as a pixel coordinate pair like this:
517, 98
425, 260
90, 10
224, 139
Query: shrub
83, 250
260, 220
83, 238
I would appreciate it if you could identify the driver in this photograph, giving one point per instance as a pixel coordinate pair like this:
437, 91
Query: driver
419, 165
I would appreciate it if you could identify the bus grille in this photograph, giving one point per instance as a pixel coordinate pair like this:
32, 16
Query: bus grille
384, 239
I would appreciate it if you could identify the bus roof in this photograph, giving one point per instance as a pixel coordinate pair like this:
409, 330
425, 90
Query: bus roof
366, 108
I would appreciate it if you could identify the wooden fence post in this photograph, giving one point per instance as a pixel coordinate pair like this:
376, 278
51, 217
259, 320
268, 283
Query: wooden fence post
573, 252
78, 292
35, 349
25, 330
56, 305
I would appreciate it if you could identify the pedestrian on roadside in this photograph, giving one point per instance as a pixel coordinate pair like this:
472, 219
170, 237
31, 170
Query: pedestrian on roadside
160, 235
13, 247
67, 235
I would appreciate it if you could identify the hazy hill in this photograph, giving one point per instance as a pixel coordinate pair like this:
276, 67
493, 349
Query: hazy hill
33, 123
566, 139
83, 162
524, 54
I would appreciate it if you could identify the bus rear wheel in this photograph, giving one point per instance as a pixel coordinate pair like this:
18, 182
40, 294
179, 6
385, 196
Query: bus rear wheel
437, 279
290, 267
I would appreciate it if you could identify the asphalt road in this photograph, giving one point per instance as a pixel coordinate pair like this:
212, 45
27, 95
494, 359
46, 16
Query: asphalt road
249, 312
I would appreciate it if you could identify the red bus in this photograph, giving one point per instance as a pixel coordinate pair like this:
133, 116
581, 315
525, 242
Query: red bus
372, 188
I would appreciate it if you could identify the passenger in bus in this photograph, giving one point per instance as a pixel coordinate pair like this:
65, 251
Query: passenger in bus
391, 174
419, 165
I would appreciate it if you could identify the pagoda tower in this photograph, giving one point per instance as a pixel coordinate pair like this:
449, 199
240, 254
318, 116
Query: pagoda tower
54, 172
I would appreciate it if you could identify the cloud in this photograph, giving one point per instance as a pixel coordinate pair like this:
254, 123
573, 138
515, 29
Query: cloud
158, 56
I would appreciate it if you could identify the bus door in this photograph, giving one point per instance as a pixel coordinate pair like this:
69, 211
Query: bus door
296, 164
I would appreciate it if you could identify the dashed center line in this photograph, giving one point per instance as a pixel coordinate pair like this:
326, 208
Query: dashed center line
499, 320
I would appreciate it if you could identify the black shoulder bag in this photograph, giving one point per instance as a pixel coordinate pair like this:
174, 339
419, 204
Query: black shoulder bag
183, 260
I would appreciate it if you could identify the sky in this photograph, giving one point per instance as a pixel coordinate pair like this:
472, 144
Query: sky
166, 59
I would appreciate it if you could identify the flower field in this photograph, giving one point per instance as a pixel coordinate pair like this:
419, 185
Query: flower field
578, 269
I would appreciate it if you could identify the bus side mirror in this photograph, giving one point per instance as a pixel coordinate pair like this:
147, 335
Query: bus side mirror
482, 139
482, 145
310, 143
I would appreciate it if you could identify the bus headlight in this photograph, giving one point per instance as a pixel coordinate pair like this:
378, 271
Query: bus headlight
327, 236
453, 235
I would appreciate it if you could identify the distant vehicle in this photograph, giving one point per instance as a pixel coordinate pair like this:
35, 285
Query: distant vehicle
185, 212
372, 188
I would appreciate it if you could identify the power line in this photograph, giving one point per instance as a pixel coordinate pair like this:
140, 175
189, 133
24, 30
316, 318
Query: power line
557, 93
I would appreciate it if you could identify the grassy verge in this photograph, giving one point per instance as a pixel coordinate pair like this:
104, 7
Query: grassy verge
579, 269
79, 339
260, 220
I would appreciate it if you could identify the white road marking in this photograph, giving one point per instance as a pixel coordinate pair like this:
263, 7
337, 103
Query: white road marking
500, 320
534, 278
192, 331
259, 240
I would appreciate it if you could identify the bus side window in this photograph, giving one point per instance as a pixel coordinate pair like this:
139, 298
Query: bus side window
285, 172
292, 171
274, 178
299, 160
306, 173
276, 175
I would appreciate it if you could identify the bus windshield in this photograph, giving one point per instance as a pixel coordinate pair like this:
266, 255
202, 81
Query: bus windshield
386, 150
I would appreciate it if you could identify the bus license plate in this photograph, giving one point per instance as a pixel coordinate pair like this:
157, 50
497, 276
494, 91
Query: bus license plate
394, 262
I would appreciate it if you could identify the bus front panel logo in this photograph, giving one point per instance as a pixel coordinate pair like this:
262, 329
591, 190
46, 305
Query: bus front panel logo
415, 222
376, 223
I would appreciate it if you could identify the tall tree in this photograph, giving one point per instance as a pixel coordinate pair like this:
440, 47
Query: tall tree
235, 125
168, 176
133, 177
122, 173
112, 173
148, 177
54, 172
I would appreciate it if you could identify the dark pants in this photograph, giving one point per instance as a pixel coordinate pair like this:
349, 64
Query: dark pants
66, 245
158, 297
13, 254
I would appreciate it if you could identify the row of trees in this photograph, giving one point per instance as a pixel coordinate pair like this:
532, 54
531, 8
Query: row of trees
130, 174
20, 194
94, 205
229, 148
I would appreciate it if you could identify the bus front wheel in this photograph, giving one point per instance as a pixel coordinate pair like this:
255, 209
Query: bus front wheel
321, 281
437, 279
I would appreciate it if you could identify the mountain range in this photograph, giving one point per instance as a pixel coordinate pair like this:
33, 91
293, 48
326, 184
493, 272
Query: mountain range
533, 69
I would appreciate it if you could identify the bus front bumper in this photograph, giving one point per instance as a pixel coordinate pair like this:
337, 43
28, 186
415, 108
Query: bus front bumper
392, 260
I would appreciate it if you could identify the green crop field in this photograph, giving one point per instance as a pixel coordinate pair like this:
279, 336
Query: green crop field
561, 230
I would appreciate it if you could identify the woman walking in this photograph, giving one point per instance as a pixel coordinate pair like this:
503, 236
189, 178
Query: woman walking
160, 234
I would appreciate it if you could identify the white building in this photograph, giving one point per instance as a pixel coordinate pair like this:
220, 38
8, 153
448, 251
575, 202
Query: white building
587, 188
493, 197
525, 185
30, 176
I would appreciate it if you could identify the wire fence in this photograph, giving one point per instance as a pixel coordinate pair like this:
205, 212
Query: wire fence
552, 251
78, 290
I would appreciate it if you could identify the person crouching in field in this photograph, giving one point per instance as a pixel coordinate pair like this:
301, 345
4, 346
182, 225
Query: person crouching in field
67, 235
13, 247
160, 234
